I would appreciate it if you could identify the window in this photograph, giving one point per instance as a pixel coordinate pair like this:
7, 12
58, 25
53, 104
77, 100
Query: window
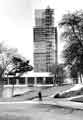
12, 81
31, 80
49, 80
21, 80
40, 80
5, 81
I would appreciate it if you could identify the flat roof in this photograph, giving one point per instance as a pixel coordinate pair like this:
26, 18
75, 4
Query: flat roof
36, 74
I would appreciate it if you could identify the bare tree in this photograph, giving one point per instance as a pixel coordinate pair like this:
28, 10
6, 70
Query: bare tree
6, 55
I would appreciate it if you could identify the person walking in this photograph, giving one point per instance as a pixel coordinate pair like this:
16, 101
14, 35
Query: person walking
40, 96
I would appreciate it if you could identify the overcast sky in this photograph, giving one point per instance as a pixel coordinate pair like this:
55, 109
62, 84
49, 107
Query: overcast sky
17, 21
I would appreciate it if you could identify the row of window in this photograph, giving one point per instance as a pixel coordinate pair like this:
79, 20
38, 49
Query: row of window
30, 80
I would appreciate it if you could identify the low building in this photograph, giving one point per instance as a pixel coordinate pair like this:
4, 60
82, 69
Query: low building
30, 79
26, 82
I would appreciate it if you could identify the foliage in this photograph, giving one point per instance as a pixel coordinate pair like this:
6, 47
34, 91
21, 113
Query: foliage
20, 66
73, 35
59, 72
73, 73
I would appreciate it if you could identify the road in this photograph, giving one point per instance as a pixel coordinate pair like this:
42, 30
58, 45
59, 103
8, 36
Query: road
29, 111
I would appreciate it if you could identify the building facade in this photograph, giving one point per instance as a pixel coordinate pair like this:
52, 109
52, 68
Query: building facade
45, 40
24, 83
30, 79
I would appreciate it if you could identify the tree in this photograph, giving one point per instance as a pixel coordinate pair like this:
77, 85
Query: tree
20, 66
74, 73
59, 72
11, 63
73, 35
6, 55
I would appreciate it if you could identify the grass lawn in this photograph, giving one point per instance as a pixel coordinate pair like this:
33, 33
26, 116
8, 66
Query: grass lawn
46, 92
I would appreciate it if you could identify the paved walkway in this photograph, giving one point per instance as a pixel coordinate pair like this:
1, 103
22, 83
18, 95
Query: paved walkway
69, 104
64, 103
57, 102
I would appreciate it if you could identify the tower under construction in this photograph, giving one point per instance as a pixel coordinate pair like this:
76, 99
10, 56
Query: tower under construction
45, 40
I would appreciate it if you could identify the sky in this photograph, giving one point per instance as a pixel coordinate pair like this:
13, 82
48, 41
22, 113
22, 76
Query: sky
17, 21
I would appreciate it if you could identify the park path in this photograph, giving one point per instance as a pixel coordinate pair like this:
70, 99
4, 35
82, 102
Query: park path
30, 111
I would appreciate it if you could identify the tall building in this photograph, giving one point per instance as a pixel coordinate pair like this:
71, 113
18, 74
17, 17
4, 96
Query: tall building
45, 40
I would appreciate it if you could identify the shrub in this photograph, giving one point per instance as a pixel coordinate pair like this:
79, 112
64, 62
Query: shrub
57, 95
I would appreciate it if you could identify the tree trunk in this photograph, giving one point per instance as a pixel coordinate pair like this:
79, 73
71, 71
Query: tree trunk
80, 77
13, 86
12, 90
1, 87
76, 79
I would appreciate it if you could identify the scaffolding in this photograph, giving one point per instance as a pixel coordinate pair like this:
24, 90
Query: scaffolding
44, 32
